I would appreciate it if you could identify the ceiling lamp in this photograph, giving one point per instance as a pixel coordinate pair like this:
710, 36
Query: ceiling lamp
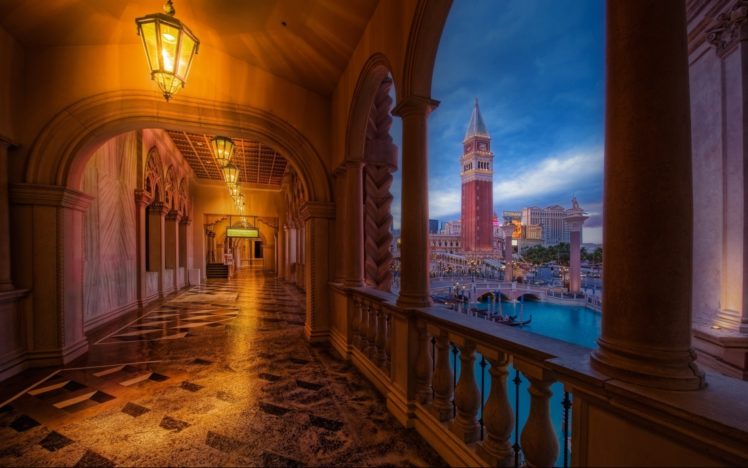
170, 47
233, 189
239, 200
223, 150
230, 173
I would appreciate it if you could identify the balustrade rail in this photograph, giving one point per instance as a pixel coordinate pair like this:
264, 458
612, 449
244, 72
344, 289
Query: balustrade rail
460, 368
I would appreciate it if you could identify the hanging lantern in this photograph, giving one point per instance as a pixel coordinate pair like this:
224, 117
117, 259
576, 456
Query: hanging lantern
230, 173
239, 200
169, 47
233, 189
223, 150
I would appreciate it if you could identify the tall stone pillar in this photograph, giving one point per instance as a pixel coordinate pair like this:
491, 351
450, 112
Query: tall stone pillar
6, 283
48, 227
353, 240
282, 251
141, 202
171, 246
317, 216
574, 219
291, 245
646, 331
156, 249
184, 226
414, 226
339, 175
508, 230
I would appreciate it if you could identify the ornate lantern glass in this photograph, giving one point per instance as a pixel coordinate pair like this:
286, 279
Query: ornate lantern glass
170, 47
231, 173
233, 189
239, 200
223, 150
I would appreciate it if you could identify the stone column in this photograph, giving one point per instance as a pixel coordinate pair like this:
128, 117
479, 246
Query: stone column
339, 175
182, 263
508, 230
574, 219
291, 247
156, 249
281, 245
48, 226
353, 237
317, 216
646, 330
6, 283
414, 232
141, 202
171, 245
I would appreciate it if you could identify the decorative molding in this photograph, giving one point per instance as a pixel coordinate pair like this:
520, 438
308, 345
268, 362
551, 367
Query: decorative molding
49, 195
317, 209
729, 28
415, 105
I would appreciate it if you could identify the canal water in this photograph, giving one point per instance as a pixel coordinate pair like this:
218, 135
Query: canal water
577, 325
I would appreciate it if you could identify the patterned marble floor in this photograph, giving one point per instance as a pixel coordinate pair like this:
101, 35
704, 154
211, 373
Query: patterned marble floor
221, 375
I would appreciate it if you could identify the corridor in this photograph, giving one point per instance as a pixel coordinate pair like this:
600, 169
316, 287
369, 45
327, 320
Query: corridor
218, 375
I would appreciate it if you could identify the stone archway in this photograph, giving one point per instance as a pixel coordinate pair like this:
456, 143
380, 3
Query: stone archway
50, 196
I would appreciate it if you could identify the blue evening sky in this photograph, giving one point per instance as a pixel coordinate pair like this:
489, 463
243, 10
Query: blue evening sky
537, 69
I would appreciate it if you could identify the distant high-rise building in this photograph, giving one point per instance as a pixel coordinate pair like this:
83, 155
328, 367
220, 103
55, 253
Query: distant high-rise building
433, 226
477, 186
551, 222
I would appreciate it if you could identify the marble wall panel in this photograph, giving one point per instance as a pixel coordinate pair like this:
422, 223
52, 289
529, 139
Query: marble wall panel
110, 272
151, 283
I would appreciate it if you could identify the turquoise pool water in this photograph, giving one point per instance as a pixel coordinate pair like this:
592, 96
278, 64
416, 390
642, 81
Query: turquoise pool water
577, 325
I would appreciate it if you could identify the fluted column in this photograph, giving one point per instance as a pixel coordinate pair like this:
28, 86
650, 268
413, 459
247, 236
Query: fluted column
442, 381
414, 231
498, 416
646, 331
467, 397
353, 240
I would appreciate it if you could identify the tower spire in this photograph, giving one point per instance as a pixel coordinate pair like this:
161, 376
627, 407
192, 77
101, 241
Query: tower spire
476, 127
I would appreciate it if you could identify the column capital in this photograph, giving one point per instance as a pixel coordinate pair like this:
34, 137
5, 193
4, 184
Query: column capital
352, 164
186, 221
729, 28
49, 195
6, 142
415, 105
142, 198
173, 215
158, 207
316, 209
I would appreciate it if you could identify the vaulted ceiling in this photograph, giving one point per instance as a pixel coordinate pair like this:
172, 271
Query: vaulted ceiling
308, 42
258, 164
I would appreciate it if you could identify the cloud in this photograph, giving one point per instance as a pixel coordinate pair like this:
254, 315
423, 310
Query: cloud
566, 173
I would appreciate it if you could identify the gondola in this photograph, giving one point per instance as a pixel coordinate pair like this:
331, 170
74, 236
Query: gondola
512, 321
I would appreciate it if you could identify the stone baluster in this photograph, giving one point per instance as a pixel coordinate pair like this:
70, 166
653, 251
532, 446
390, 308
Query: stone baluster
364, 326
498, 416
388, 342
467, 396
371, 350
538, 439
442, 381
356, 322
381, 352
423, 365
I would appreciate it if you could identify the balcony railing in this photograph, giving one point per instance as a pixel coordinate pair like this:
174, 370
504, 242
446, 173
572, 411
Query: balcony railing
456, 379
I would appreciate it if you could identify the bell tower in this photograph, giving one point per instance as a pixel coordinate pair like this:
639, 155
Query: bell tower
477, 186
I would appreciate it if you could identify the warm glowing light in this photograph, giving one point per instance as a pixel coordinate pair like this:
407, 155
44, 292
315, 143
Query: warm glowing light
169, 47
231, 173
716, 327
223, 150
